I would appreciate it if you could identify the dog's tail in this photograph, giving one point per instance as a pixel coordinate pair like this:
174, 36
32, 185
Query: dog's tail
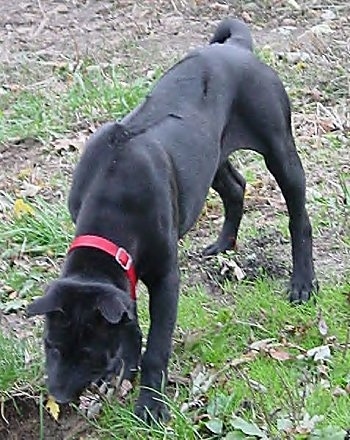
233, 31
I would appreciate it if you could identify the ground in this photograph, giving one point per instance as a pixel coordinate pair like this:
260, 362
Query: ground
66, 67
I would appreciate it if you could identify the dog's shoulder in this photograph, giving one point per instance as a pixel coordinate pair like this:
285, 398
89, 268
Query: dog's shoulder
109, 135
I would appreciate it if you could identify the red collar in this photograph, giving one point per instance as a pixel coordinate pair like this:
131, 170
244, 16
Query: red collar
120, 254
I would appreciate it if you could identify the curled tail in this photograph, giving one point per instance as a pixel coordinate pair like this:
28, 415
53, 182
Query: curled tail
233, 31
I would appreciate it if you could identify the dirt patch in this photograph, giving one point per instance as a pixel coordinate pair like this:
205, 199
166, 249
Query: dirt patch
21, 416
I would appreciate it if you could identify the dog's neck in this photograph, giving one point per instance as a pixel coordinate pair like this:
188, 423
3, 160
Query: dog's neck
95, 265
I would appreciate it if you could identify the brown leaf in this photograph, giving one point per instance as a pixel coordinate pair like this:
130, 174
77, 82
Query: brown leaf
125, 388
322, 326
191, 338
339, 392
76, 144
279, 355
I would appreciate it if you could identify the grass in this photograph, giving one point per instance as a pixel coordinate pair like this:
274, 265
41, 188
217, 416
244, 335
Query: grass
36, 229
252, 390
90, 94
19, 363
263, 390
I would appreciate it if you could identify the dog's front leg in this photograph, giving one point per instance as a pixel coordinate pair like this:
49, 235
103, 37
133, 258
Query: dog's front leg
164, 294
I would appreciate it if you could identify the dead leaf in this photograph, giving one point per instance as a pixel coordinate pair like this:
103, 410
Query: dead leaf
285, 424
202, 382
21, 208
76, 144
125, 388
322, 326
53, 408
337, 392
94, 410
29, 190
90, 404
262, 344
24, 173
257, 386
13, 295
279, 355
229, 265
246, 17
5, 203
320, 353
308, 423
242, 360
191, 338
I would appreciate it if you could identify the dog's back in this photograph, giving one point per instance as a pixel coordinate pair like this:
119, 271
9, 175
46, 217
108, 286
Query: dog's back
188, 111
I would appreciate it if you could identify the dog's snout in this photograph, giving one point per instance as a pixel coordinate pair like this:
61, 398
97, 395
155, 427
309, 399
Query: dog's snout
62, 394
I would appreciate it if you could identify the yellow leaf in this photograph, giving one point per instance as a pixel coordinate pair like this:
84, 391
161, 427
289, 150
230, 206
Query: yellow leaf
23, 174
53, 408
301, 65
21, 207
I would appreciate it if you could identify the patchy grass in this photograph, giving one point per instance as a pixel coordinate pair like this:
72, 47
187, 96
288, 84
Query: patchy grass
277, 382
90, 94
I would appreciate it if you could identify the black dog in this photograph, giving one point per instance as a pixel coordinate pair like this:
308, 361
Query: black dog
141, 184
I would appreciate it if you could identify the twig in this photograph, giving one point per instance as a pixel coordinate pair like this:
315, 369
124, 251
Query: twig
2, 411
251, 324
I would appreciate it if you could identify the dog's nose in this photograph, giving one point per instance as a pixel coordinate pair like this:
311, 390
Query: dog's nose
62, 400
61, 396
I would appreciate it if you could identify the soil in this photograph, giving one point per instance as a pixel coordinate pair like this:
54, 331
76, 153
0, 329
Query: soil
36, 37
20, 421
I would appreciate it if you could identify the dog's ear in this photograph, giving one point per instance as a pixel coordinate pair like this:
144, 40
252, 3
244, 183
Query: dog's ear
50, 302
115, 306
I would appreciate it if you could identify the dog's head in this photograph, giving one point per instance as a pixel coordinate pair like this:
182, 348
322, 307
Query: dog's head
84, 328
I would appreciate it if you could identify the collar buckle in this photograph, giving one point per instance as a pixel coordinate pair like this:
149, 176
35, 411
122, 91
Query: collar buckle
123, 258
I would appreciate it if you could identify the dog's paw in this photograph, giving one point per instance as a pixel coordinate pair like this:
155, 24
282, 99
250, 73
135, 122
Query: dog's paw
301, 291
151, 409
219, 246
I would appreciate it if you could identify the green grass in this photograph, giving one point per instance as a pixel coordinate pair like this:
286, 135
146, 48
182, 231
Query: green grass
45, 230
19, 363
90, 94
222, 333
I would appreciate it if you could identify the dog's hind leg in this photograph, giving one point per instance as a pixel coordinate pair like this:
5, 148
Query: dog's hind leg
230, 185
283, 162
